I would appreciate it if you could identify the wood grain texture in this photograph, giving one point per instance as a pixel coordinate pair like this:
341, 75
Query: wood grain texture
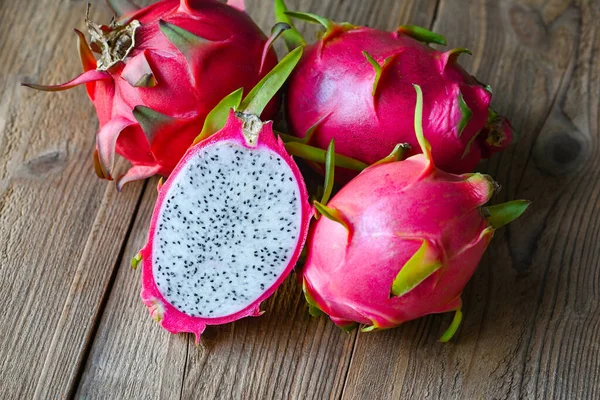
61, 229
132, 357
531, 311
75, 326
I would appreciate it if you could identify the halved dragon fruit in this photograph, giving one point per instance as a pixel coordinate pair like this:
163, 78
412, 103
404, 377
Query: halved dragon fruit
229, 223
160, 70
354, 85
401, 241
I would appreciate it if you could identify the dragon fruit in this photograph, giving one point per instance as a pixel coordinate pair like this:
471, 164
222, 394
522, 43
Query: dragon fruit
400, 241
354, 85
229, 223
161, 70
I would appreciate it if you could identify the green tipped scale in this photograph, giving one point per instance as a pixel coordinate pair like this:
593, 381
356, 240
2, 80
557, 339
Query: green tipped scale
151, 121
499, 215
398, 154
310, 132
332, 214
312, 18
313, 308
291, 37
263, 92
184, 40
369, 328
418, 268
465, 113
454, 325
310, 153
422, 34
147, 80
423, 142
329, 168
276, 31
135, 261
379, 69
331, 28
451, 56
216, 118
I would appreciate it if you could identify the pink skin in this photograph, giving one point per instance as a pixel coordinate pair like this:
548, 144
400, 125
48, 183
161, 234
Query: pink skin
174, 320
334, 81
391, 208
188, 86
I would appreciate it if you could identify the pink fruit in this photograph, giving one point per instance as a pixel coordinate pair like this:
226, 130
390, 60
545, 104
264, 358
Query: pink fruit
161, 69
401, 241
354, 85
227, 228
229, 223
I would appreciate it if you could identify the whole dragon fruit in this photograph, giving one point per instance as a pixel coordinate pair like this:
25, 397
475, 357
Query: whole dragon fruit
229, 223
354, 85
161, 69
401, 241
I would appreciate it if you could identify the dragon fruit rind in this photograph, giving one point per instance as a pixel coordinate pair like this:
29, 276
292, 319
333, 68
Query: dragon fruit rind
401, 241
160, 70
354, 85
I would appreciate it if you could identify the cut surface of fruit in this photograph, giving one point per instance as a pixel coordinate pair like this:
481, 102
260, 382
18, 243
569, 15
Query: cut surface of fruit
237, 212
227, 229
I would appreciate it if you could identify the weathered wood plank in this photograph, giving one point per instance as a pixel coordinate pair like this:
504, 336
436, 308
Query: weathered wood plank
76, 323
130, 353
531, 312
283, 354
61, 229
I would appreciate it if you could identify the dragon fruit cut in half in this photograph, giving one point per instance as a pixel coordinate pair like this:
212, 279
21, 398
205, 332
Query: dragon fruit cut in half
229, 223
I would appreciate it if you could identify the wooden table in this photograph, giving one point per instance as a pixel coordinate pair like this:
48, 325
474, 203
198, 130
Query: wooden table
73, 324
